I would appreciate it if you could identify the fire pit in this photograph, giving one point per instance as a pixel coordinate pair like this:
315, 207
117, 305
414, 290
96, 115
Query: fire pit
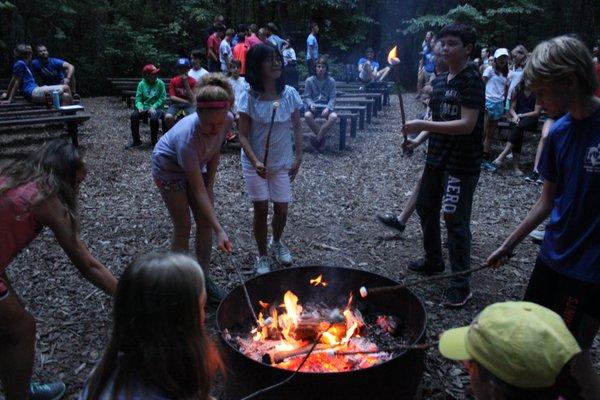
347, 363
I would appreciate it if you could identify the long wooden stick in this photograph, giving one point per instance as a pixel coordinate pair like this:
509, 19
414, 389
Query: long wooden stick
268, 144
364, 292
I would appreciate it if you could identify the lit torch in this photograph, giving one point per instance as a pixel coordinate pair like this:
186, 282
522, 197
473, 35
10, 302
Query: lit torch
394, 61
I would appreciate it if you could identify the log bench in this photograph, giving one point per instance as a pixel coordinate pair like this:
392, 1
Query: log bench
344, 118
71, 116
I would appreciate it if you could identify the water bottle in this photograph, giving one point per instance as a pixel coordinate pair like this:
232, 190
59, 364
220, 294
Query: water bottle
56, 99
48, 99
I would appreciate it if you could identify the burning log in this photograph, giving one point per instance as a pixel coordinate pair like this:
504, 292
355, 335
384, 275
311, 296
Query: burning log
310, 326
278, 356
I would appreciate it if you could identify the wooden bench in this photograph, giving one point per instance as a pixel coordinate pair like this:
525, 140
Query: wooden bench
368, 103
344, 117
71, 116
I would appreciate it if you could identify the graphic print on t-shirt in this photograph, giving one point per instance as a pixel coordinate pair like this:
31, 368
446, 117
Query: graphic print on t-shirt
592, 159
450, 106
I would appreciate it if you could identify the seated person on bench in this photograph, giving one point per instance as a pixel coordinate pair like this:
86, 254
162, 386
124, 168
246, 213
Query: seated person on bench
368, 69
319, 99
23, 79
181, 93
150, 98
53, 71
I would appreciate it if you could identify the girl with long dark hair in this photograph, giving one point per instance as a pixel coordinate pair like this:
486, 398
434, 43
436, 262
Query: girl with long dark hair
40, 191
268, 110
159, 348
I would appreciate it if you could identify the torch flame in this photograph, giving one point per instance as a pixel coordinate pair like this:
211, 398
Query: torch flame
318, 281
263, 304
392, 57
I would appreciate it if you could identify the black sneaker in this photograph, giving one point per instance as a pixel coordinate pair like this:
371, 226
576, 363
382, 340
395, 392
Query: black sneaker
213, 292
422, 267
134, 145
46, 391
457, 297
532, 177
391, 221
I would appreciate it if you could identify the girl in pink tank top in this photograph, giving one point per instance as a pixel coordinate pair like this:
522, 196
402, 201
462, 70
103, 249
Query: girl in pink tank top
40, 191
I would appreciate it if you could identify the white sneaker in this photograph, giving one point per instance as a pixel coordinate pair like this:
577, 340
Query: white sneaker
281, 252
262, 265
537, 235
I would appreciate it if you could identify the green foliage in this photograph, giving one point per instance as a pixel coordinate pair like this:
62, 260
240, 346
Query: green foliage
116, 37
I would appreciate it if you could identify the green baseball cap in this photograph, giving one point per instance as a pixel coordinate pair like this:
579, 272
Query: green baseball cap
524, 344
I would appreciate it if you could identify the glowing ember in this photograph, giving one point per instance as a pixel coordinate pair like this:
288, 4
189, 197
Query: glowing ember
392, 57
318, 281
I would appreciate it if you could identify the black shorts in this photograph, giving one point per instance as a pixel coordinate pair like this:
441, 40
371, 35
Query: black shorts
568, 297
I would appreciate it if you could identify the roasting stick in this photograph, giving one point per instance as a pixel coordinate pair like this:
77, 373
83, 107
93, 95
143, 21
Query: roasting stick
364, 292
268, 143
243, 283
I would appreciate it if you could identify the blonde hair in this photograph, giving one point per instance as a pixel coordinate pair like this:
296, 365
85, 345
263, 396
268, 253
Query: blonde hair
215, 87
553, 60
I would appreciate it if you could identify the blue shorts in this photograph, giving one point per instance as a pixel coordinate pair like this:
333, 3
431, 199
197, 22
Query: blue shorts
495, 109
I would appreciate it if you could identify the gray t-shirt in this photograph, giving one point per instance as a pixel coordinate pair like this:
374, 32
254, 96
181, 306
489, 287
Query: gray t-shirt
225, 49
183, 149
259, 111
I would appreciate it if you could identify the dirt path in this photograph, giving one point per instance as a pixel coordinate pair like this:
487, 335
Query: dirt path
331, 222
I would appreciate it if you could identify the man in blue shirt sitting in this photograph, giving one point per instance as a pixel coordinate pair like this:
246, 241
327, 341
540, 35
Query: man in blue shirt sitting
368, 68
52, 71
23, 79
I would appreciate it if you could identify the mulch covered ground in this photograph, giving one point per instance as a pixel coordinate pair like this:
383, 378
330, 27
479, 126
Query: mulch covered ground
331, 222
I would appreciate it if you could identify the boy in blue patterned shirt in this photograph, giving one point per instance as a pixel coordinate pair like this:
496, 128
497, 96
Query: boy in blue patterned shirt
566, 276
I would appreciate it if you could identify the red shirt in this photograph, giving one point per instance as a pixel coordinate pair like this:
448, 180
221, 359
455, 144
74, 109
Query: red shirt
17, 225
213, 42
252, 40
176, 87
239, 53
598, 75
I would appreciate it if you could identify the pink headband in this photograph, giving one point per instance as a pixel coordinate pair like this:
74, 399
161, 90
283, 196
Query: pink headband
203, 105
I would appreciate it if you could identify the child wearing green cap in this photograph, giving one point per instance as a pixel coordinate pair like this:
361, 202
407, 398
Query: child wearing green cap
566, 277
518, 351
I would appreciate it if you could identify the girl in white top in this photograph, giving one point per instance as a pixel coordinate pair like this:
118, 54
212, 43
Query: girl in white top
495, 78
268, 173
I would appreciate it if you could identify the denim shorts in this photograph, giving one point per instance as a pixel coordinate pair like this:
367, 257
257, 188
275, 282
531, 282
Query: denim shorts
495, 109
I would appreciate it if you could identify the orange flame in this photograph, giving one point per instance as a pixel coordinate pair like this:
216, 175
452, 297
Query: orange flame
392, 57
262, 304
341, 335
318, 281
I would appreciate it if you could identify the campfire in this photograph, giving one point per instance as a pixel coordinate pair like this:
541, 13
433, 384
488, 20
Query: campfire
343, 340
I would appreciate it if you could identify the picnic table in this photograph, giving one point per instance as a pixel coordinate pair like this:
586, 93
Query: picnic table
19, 113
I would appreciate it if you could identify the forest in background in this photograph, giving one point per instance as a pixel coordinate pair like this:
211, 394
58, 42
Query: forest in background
116, 37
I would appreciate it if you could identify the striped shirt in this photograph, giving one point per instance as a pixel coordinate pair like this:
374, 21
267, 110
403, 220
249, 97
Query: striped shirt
458, 154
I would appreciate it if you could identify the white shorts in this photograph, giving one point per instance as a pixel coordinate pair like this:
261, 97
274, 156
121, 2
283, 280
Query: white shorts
39, 93
276, 188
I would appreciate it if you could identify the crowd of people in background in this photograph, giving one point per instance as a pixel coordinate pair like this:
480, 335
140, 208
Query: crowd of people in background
512, 350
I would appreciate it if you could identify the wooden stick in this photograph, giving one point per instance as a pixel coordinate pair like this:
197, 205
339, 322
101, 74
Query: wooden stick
364, 292
278, 356
400, 99
268, 144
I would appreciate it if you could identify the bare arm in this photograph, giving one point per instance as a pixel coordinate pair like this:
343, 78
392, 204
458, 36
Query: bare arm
462, 126
12, 90
298, 143
53, 214
244, 127
540, 210
211, 169
69, 70
204, 203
